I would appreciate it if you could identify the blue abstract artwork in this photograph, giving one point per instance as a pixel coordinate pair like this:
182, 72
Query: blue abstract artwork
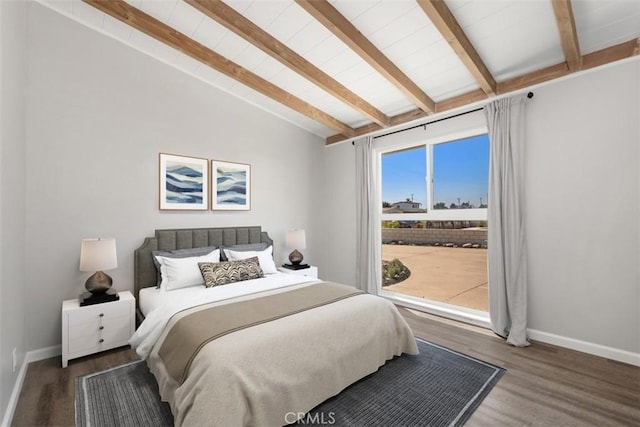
183, 182
231, 186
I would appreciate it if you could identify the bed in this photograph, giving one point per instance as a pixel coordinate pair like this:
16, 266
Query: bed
255, 352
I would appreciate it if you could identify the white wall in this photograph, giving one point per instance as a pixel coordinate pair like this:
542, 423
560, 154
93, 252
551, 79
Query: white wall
98, 114
12, 193
338, 213
582, 201
583, 208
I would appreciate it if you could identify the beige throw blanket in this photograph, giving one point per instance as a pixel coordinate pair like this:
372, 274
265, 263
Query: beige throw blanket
270, 373
192, 332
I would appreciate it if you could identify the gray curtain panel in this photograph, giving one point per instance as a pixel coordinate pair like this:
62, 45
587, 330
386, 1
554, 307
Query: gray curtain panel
506, 236
366, 247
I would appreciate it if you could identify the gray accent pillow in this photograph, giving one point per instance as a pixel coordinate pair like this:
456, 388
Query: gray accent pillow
243, 248
225, 272
179, 253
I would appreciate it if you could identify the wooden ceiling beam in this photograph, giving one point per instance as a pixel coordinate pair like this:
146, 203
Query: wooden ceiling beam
568, 35
409, 116
329, 16
608, 55
139, 20
440, 15
615, 53
234, 21
533, 78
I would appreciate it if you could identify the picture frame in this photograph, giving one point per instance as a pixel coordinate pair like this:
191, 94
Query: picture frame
183, 182
230, 186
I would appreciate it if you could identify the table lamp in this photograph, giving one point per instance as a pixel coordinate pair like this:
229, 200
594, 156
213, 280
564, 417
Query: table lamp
97, 255
296, 240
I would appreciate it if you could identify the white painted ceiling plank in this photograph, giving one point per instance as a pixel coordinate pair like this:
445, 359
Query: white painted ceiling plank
352, 9
263, 13
499, 37
291, 21
185, 18
116, 28
64, 6
160, 10
379, 15
143, 42
87, 14
400, 28
602, 24
210, 34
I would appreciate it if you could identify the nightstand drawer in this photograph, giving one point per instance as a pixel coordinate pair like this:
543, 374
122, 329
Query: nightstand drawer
97, 335
311, 272
98, 312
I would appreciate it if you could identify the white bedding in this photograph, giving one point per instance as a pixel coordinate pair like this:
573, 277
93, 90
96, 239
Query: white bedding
260, 375
150, 298
158, 306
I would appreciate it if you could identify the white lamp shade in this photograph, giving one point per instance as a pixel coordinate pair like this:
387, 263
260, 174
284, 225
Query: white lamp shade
296, 239
98, 254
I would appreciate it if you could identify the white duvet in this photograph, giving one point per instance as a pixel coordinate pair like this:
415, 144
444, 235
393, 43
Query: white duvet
259, 376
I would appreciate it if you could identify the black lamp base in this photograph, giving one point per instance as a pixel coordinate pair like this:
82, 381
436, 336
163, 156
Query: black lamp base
295, 257
87, 298
98, 283
296, 266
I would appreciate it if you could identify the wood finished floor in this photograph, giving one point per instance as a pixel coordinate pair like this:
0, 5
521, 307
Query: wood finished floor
544, 385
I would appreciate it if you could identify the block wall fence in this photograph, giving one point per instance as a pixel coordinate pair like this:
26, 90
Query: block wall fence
429, 236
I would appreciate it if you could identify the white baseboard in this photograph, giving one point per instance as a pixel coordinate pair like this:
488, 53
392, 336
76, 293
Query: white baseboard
586, 347
15, 394
480, 319
31, 356
44, 353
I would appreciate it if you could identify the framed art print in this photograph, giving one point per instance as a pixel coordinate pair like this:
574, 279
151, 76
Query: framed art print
231, 186
184, 182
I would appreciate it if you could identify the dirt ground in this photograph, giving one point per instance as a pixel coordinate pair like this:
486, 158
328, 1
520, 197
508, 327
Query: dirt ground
452, 275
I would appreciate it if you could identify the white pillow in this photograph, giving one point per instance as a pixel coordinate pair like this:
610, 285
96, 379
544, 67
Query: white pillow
265, 258
179, 273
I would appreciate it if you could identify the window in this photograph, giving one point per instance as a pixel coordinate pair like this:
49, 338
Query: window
434, 197
461, 173
431, 178
403, 177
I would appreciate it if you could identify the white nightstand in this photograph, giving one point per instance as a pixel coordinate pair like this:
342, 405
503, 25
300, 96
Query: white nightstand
312, 271
94, 328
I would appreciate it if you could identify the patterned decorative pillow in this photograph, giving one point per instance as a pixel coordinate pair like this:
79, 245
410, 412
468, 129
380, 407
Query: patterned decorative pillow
223, 273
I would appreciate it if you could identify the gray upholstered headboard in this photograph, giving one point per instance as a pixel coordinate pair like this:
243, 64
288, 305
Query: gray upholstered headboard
187, 238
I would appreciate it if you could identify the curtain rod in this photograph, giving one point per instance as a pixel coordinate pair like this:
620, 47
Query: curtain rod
529, 95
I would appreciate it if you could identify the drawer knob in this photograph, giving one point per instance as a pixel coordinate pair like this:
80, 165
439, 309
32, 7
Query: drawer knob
101, 340
101, 327
101, 314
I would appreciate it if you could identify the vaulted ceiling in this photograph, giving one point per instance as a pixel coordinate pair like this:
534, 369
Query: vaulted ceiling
344, 68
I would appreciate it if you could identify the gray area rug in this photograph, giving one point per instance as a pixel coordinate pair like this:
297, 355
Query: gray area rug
126, 395
438, 387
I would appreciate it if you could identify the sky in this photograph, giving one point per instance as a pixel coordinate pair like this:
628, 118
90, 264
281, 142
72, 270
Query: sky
460, 170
